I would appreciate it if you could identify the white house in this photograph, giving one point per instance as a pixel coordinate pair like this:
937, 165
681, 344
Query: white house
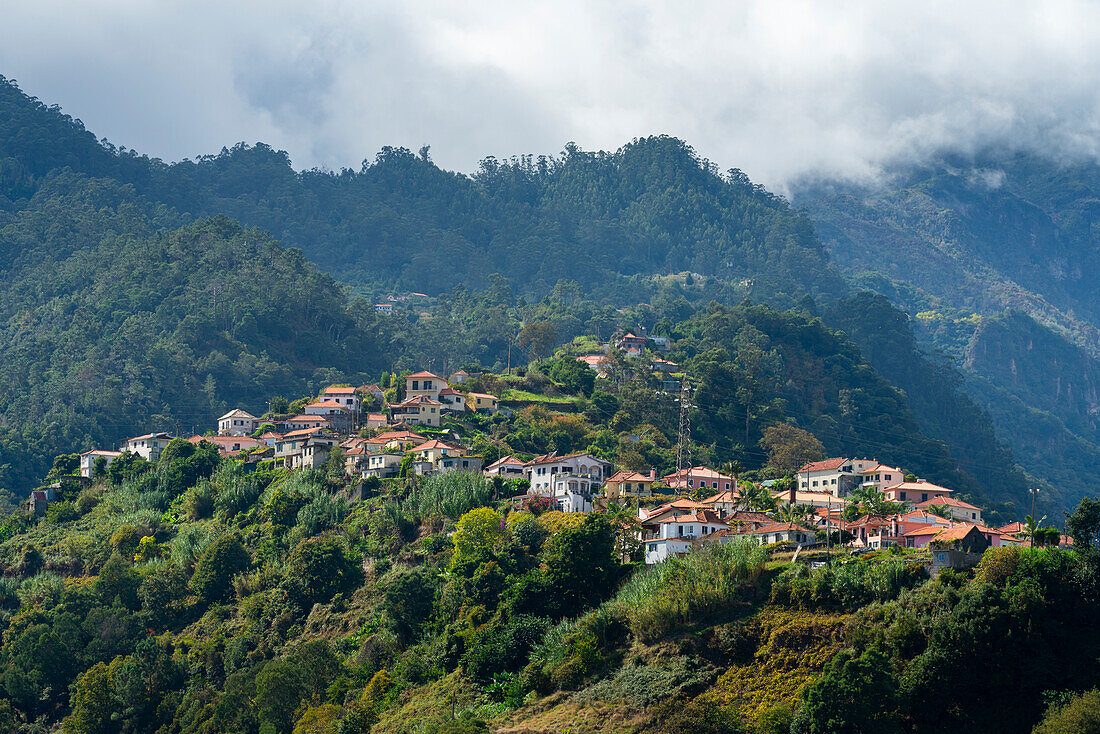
89, 458
458, 463
148, 446
384, 308
838, 476
236, 423
674, 535
457, 378
780, 532
345, 396
506, 466
573, 493
304, 422
961, 511
452, 400
542, 469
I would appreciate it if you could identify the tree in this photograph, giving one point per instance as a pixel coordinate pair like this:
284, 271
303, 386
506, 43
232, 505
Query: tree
854, 695
538, 337
476, 534
581, 569
409, 599
223, 559
319, 568
94, 702
790, 447
118, 580
280, 687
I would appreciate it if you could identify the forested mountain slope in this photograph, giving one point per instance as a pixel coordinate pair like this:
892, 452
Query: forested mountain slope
579, 241
996, 256
111, 326
401, 222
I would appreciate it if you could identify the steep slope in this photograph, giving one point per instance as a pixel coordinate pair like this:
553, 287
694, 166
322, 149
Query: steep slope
110, 324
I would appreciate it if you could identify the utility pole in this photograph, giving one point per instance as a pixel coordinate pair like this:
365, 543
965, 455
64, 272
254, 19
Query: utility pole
685, 430
1033, 491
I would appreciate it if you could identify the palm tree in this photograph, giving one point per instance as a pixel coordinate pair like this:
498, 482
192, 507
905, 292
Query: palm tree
755, 497
1032, 526
939, 511
624, 518
796, 513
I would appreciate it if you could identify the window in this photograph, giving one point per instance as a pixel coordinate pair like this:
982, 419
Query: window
889, 477
902, 496
416, 385
834, 480
815, 482
924, 497
973, 516
715, 485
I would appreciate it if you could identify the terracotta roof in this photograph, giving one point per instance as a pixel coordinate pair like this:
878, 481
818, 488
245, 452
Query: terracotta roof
423, 375
628, 476
926, 530
825, 465
483, 395
416, 400
958, 532
370, 388
505, 460
461, 372
303, 418
150, 435
726, 495
271, 434
396, 436
695, 472
338, 391
435, 444
302, 433
237, 413
882, 468
101, 452
1013, 527
702, 515
947, 502
449, 391
676, 504
778, 527
327, 404
920, 486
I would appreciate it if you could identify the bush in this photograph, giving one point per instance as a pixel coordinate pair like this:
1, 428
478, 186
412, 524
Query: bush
320, 568
222, 560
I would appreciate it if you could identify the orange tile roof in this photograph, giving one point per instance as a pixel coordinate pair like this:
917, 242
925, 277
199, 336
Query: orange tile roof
701, 515
338, 391
423, 375
824, 465
947, 502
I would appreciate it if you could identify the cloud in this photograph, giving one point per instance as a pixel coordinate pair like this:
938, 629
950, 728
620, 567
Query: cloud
779, 89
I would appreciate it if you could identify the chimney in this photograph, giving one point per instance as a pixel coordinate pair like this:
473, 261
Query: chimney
653, 474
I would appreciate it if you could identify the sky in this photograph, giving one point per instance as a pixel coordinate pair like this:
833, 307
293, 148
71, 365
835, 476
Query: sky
780, 89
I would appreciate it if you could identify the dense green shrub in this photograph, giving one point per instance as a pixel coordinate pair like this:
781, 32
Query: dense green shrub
846, 586
223, 559
319, 568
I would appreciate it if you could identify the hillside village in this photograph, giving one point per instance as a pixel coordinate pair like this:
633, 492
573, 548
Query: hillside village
416, 425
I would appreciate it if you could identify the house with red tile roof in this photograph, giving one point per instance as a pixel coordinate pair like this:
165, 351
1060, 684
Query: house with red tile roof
542, 470
424, 384
838, 475
882, 477
452, 400
957, 509
698, 477
781, 532
916, 492
419, 410
480, 402
673, 535
506, 466
626, 483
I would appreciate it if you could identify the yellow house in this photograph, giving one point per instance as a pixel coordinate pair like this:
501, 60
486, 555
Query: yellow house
482, 402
